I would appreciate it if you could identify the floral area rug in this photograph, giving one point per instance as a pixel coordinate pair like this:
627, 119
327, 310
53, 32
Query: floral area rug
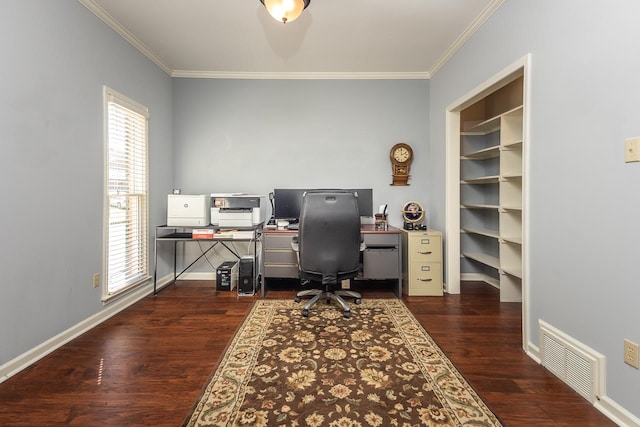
377, 368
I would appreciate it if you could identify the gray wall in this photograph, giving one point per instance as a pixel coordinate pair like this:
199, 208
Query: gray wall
256, 135
57, 56
252, 136
584, 204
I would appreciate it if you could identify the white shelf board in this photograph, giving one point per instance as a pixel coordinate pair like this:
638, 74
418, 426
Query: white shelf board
511, 176
513, 271
519, 109
491, 179
490, 125
485, 259
512, 144
485, 153
484, 128
512, 239
478, 206
511, 208
482, 232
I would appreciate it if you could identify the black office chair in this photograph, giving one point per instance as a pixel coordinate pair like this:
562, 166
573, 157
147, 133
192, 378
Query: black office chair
328, 246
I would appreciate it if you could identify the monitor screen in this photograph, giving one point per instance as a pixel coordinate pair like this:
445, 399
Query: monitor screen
288, 202
365, 201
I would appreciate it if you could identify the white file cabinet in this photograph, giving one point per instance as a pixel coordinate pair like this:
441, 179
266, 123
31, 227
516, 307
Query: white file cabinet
422, 263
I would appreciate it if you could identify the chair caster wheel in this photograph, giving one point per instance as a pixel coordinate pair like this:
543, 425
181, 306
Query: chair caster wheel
297, 299
305, 313
347, 314
358, 301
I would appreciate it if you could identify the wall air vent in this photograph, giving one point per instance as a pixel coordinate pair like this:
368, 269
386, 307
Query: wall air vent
581, 367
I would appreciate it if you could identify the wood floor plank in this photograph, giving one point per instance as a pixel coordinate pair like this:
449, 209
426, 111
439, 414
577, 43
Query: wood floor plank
147, 365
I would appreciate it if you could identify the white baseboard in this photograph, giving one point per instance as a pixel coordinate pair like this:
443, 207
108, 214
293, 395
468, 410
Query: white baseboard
198, 276
533, 351
617, 413
28, 358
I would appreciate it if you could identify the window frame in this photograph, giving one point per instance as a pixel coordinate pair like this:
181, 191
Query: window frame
144, 276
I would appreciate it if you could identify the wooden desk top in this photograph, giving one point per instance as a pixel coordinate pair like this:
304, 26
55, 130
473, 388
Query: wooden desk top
366, 229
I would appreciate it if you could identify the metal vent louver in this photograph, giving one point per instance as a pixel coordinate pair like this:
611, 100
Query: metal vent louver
581, 367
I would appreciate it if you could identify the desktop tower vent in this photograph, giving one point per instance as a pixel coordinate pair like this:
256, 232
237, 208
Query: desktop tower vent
581, 367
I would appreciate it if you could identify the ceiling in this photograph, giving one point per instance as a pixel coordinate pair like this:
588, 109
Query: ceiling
332, 38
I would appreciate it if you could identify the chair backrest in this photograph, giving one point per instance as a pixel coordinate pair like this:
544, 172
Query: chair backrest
329, 235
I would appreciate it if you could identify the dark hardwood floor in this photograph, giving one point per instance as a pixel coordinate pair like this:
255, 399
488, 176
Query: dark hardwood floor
148, 364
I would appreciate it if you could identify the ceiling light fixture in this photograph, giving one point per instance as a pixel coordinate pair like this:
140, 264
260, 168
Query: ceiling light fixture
285, 10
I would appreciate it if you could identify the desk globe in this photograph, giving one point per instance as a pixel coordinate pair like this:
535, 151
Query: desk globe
413, 215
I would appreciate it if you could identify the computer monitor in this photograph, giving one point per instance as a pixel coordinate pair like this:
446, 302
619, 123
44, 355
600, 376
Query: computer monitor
288, 202
365, 201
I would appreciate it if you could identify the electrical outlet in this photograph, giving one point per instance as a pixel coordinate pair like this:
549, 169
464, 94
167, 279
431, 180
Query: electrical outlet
631, 353
96, 280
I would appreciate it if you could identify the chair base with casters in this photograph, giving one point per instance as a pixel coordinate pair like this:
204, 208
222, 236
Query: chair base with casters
337, 296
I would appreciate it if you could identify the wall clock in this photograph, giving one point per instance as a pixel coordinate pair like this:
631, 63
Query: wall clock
401, 157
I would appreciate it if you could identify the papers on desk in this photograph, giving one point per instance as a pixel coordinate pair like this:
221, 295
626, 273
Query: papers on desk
234, 234
204, 233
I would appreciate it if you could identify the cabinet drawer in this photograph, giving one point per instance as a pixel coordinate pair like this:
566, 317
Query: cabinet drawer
381, 239
424, 248
270, 241
424, 279
280, 256
380, 263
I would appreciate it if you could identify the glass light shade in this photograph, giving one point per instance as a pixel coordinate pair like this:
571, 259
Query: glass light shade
284, 10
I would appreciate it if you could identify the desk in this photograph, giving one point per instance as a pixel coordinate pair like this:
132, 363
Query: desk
176, 234
382, 258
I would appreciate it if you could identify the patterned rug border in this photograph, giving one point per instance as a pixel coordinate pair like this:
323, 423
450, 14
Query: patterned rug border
396, 309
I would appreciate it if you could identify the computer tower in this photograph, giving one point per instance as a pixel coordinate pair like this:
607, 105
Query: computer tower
227, 276
246, 276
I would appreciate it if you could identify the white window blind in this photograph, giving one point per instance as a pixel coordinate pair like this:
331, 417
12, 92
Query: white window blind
126, 202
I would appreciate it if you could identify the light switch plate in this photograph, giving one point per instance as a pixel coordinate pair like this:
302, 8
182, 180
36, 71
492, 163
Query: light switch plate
632, 150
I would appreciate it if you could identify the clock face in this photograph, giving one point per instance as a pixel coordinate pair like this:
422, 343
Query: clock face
401, 154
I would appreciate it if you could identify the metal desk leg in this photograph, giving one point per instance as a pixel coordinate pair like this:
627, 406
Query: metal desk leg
155, 268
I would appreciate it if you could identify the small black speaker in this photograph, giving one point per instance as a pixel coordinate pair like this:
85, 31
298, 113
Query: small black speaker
246, 276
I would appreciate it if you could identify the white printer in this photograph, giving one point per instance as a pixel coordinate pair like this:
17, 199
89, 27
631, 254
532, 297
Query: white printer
233, 210
188, 210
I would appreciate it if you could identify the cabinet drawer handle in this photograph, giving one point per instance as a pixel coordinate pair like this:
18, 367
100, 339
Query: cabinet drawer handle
425, 280
425, 252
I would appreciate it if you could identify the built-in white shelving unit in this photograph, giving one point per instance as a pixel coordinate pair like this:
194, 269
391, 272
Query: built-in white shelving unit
491, 177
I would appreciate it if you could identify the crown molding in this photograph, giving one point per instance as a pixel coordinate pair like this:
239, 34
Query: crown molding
300, 75
460, 41
466, 35
115, 26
